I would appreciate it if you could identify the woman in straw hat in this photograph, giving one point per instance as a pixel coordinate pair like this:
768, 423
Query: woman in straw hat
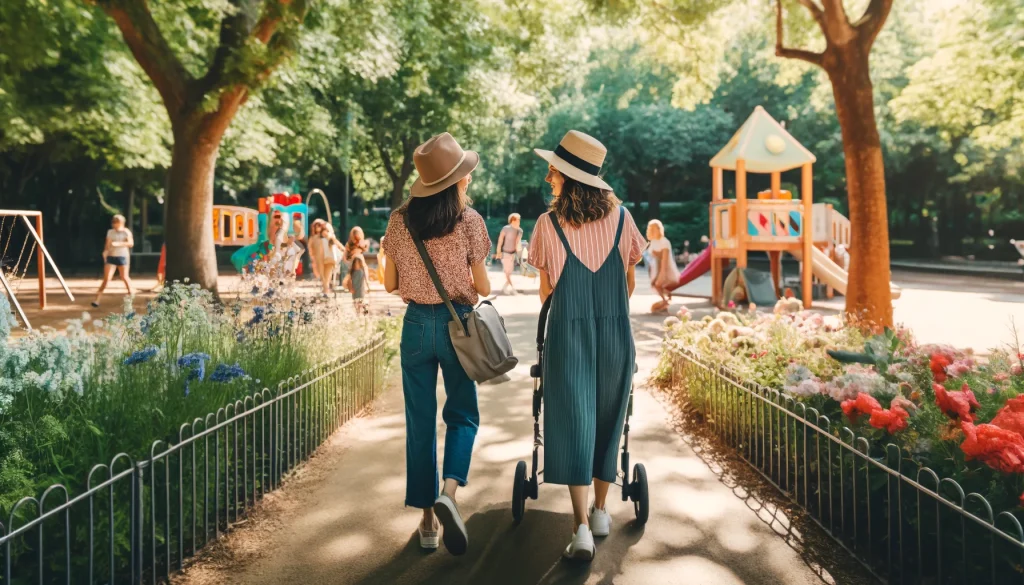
586, 249
456, 239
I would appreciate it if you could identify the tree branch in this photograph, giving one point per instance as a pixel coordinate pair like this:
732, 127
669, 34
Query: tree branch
781, 51
837, 27
871, 22
815, 11
385, 157
151, 50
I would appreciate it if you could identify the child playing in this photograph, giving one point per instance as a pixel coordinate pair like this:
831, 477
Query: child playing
663, 271
359, 285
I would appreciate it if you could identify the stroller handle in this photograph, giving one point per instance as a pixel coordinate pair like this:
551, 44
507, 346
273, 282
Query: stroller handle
542, 322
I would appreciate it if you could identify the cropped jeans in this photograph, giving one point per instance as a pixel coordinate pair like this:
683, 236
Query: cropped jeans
425, 345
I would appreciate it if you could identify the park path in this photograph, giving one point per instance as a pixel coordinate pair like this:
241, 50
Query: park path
353, 529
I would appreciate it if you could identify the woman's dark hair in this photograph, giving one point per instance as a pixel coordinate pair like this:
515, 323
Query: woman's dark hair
437, 215
579, 203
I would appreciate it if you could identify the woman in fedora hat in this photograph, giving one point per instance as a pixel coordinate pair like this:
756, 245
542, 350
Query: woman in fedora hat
586, 249
456, 239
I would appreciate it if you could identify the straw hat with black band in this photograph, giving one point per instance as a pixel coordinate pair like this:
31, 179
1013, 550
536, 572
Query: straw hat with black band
441, 163
579, 156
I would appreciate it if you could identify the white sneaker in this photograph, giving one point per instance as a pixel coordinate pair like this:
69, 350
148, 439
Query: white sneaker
600, 521
582, 546
506, 289
429, 539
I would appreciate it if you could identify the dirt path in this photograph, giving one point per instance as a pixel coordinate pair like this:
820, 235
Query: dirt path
344, 523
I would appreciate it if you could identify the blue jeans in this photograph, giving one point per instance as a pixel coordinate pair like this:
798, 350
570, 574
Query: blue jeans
426, 344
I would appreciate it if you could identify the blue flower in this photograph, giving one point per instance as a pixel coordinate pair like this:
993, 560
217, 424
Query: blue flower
130, 316
240, 336
191, 360
226, 373
144, 326
270, 293
255, 290
291, 316
140, 356
196, 362
258, 313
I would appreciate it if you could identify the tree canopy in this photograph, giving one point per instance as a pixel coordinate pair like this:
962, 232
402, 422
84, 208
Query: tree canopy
341, 96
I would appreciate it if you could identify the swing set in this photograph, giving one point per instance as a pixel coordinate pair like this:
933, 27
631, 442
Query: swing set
13, 269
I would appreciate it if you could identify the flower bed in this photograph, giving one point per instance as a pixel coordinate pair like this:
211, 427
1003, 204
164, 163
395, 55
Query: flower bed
71, 399
945, 408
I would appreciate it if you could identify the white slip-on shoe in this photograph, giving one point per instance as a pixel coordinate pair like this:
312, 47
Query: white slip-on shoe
429, 539
456, 539
600, 521
582, 546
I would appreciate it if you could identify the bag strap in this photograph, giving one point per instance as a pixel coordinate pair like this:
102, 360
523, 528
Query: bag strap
433, 275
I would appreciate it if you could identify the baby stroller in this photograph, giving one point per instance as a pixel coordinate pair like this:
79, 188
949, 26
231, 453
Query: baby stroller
527, 487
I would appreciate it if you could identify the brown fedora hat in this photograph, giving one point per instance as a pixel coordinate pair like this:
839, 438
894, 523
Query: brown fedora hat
441, 163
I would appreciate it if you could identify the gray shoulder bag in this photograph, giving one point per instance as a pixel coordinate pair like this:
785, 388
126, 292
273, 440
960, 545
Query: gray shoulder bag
480, 341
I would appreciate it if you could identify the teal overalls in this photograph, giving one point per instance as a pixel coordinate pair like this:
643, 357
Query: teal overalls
587, 368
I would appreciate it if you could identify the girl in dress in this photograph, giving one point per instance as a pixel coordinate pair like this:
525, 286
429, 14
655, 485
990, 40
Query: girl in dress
663, 271
360, 286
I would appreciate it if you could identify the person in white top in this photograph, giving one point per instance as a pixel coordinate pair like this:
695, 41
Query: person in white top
116, 256
663, 270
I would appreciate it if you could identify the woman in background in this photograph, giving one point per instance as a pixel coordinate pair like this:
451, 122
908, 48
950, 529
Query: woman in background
315, 229
331, 253
116, 256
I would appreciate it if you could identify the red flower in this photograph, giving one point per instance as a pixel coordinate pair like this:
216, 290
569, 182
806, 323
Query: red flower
892, 420
1000, 449
863, 404
956, 405
1011, 416
938, 365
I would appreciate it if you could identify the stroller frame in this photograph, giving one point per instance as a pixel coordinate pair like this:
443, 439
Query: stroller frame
529, 487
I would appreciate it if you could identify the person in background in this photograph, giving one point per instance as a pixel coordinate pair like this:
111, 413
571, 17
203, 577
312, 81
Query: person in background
116, 256
357, 244
586, 249
510, 243
299, 239
455, 237
331, 254
315, 229
664, 272
360, 284
161, 269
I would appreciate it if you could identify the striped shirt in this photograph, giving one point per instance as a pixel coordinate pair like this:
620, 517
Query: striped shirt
591, 243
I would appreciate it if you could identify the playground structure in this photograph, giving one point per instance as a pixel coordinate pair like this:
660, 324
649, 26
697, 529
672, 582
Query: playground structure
774, 222
14, 270
245, 227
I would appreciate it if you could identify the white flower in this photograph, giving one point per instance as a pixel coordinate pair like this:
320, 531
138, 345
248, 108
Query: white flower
671, 322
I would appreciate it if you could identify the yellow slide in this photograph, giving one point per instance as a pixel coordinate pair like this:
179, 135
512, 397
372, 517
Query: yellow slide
827, 271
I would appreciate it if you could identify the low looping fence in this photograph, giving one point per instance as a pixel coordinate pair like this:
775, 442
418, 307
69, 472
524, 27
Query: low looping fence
902, 521
137, 521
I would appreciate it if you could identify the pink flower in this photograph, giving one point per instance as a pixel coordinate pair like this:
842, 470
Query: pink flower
1001, 377
1016, 370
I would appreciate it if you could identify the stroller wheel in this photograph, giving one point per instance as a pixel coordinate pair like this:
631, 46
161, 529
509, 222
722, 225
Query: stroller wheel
638, 493
519, 493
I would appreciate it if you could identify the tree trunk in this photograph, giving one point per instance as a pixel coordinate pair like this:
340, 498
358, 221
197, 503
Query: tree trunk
397, 193
867, 297
188, 222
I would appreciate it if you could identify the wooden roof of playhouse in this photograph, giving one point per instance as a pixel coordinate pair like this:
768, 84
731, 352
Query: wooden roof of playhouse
765, 146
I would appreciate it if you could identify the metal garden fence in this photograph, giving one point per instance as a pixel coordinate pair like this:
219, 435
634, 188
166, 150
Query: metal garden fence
902, 521
139, 520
